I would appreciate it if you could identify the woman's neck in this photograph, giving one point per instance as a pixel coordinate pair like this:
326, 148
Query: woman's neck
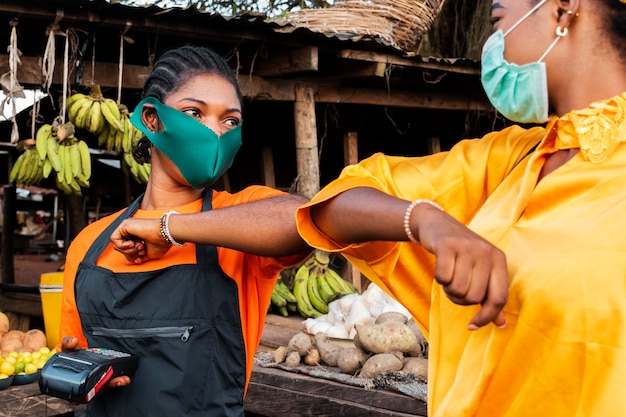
158, 196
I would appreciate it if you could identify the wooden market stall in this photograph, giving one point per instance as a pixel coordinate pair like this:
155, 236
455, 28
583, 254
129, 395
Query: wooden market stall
314, 103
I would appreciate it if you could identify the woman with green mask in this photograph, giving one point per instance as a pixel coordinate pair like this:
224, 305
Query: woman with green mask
195, 315
511, 258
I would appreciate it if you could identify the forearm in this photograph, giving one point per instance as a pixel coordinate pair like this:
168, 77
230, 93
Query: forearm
265, 227
361, 215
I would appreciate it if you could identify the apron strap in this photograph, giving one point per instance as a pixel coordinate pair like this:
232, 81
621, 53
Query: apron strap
206, 254
103, 240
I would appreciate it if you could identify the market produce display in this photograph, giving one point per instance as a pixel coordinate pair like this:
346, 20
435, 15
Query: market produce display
22, 354
315, 284
393, 343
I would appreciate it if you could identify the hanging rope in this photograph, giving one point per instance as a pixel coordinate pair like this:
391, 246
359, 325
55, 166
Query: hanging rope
123, 38
10, 86
49, 55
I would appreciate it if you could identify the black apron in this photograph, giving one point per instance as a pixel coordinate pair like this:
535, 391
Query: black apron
182, 321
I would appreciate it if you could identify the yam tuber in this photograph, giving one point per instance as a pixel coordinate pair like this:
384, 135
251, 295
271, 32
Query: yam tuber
301, 343
292, 359
386, 337
381, 363
421, 349
328, 351
391, 316
351, 359
418, 367
280, 354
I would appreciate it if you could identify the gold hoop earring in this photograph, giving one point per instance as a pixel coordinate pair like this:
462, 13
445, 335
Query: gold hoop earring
561, 31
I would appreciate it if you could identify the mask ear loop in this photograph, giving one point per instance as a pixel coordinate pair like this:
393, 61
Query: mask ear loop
560, 33
531, 11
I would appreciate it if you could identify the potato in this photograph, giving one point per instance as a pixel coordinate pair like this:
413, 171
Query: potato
421, 349
293, 359
34, 339
280, 354
301, 343
381, 363
351, 359
312, 358
418, 367
328, 351
391, 316
386, 337
4, 323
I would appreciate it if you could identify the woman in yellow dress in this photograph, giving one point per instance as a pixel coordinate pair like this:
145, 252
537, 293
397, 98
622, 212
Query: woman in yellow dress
510, 250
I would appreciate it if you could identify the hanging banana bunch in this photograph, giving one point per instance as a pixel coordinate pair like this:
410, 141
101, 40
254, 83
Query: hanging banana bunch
94, 113
28, 167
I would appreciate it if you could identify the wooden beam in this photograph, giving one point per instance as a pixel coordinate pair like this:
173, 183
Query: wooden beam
106, 74
289, 62
401, 98
416, 62
259, 88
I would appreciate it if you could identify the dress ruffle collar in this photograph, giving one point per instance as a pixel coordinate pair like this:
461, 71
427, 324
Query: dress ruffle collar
596, 130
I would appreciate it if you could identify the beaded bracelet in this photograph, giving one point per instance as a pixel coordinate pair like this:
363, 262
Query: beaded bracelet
165, 230
409, 211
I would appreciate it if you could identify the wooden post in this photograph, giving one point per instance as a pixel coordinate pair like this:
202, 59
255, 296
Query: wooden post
267, 166
307, 158
351, 157
8, 234
434, 145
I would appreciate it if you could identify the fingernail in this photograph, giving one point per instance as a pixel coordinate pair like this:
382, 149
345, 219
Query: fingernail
472, 326
501, 326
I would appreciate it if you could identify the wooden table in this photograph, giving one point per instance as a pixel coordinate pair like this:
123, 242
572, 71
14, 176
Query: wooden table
27, 401
278, 393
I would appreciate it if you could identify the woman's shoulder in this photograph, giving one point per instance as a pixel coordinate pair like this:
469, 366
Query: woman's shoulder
248, 194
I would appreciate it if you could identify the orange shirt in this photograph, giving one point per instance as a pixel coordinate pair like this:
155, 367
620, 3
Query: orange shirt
255, 276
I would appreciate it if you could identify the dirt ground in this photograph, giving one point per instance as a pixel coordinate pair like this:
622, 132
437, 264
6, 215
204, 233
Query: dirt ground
28, 268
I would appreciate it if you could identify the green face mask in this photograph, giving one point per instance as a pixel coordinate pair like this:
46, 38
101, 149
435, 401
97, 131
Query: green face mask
197, 151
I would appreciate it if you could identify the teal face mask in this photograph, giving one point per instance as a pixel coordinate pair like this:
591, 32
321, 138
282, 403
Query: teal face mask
200, 155
520, 93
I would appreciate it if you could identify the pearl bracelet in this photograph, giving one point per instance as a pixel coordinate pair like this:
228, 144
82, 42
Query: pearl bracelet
165, 230
409, 211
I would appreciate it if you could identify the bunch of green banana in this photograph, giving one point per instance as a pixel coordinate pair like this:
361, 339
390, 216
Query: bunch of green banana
139, 172
93, 112
283, 300
316, 285
123, 139
28, 167
75, 169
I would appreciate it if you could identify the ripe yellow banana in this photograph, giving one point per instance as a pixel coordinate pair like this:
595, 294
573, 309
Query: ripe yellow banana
95, 120
85, 159
111, 113
74, 156
41, 140
53, 154
73, 99
80, 120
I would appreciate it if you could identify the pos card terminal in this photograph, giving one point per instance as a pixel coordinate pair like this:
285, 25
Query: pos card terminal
80, 375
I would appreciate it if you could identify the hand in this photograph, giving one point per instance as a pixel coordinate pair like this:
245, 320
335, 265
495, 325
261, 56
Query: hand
139, 240
71, 343
470, 269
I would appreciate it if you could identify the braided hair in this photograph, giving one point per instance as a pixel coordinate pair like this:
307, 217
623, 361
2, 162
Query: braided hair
172, 70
